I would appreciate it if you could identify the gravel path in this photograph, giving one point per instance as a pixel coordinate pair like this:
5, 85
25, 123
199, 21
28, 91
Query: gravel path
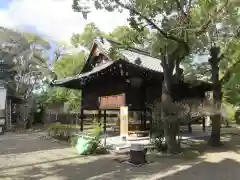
29, 157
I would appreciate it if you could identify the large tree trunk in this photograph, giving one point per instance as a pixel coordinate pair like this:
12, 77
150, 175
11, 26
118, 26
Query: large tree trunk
170, 128
215, 139
216, 118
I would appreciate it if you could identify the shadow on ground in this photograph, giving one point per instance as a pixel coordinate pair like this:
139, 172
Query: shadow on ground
25, 143
104, 168
107, 169
209, 163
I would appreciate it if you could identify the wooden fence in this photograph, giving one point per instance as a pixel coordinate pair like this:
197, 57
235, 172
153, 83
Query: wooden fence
74, 118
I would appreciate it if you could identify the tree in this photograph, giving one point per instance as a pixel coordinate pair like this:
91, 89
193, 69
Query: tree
67, 65
218, 58
26, 53
179, 26
86, 38
122, 34
130, 37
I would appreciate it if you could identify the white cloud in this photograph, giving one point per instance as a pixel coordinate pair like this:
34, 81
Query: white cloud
55, 18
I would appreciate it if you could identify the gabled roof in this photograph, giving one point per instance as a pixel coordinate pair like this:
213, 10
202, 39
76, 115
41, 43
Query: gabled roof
132, 56
128, 54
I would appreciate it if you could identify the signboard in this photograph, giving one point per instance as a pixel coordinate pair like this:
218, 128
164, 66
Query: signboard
112, 102
124, 121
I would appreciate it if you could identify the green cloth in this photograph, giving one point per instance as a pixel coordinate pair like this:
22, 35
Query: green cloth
82, 145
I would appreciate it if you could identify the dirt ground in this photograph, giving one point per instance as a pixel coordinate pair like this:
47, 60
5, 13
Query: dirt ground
31, 157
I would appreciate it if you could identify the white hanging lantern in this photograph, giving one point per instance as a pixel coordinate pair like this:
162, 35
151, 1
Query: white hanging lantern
209, 95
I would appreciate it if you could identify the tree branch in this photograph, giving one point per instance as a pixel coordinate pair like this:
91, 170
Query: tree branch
228, 73
205, 26
180, 8
140, 31
149, 21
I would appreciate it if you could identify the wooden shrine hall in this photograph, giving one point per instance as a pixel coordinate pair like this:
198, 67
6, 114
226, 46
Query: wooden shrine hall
134, 80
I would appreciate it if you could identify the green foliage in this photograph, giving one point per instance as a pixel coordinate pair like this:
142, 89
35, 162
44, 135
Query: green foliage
157, 136
69, 65
230, 111
230, 66
68, 132
86, 38
62, 131
128, 36
180, 20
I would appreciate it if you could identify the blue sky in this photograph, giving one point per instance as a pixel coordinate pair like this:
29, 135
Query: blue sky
4, 3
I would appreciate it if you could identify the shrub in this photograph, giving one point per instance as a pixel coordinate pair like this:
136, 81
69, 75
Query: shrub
174, 114
230, 112
157, 136
73, 140
95, 143
68, 133
62, 131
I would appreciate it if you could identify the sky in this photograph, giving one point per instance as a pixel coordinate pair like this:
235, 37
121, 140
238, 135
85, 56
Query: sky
54, 19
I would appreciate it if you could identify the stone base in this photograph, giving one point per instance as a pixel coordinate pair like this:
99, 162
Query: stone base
137, 157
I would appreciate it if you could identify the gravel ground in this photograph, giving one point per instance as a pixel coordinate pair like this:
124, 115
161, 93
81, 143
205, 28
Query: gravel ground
29, 157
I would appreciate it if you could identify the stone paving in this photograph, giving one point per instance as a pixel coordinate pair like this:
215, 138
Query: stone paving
30, 157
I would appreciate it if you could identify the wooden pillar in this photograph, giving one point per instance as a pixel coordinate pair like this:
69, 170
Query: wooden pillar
105, 127
145, 119
203, 124
82, 111
99, 118
81, 119
151, 122
190, 127
145, 108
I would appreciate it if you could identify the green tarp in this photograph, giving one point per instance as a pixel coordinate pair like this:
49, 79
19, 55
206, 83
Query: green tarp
82, 145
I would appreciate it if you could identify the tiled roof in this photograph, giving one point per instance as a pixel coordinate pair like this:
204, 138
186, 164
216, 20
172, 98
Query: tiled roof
82, 75
145, 61
131, 55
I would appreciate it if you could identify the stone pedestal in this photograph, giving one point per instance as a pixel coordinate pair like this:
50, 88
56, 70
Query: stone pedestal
137, 154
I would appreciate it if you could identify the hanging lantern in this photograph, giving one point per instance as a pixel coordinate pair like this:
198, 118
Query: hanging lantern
209, 95
136, 82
